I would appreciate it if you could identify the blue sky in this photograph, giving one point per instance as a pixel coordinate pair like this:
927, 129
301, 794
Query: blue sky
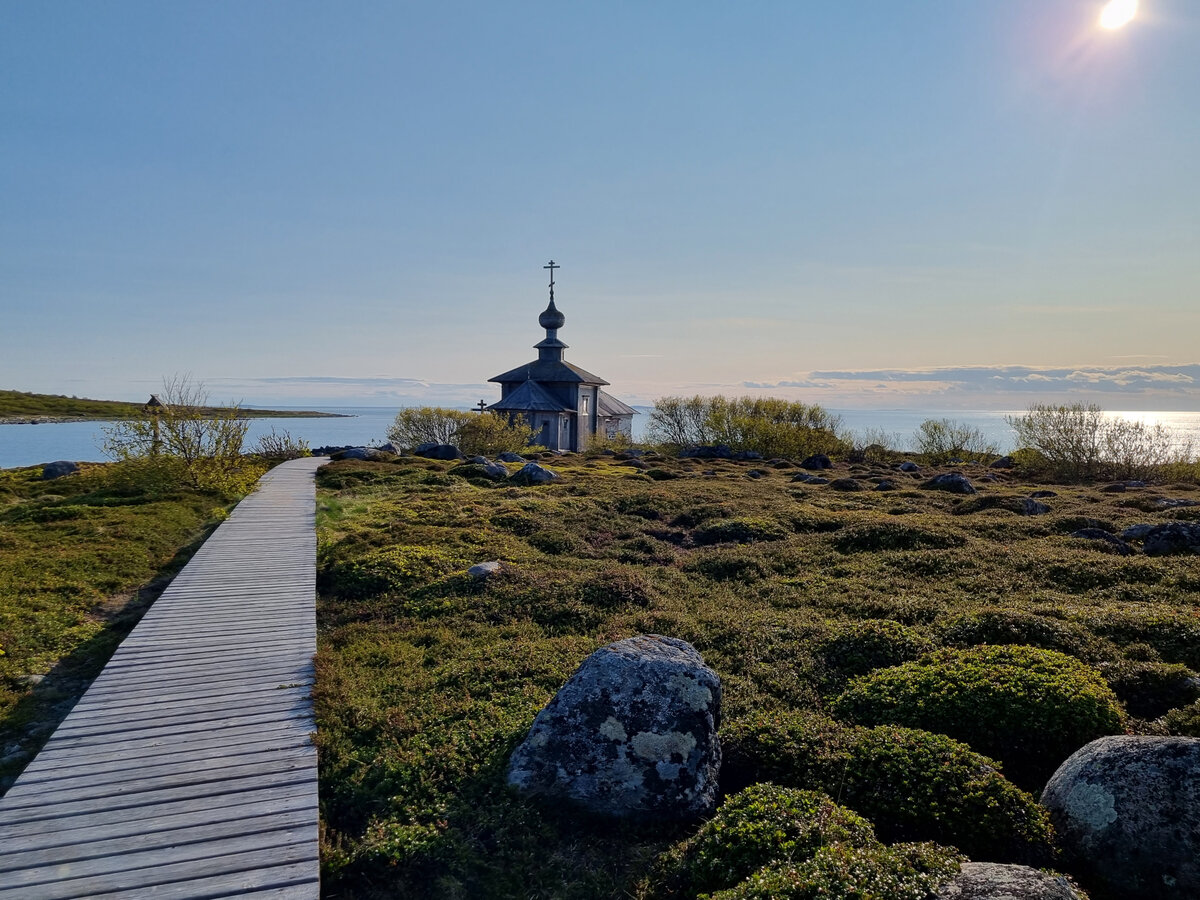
944, 203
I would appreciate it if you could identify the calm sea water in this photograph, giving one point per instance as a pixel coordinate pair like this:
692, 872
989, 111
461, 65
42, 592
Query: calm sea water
30, 445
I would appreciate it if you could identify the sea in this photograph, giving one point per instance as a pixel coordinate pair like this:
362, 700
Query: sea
31, 445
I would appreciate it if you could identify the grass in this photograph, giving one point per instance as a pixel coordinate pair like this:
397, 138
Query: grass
427, 679
80, 561
25, 406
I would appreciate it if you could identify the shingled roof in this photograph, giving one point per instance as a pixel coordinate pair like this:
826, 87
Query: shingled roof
550, 370
530, 397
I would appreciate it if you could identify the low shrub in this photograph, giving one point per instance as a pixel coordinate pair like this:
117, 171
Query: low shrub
1150, 689
762, 825
857, 648
1007, 626
871, 537
740, 531
390, 570
1030, 708
845, 872
729, 565
1175, 636
616, 586
1184, 721
911, 784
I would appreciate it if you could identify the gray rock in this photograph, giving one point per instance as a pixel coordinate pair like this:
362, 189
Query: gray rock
431, 450
747, 455
1004, 462
636, 464
818, 480
885, 485
816, 462
58, 469
533, 473
1041, 495
390, 447
486, 469
1116, 488
351, 453
1127, 811
1033, 508
909, 466
1138, 532
1173, 503
633, 733
631, 453
998, 881
509, 456
756, 473
484, 570
954, 482
1114, 543
1172, 538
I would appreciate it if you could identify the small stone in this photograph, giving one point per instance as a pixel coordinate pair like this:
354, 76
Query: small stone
1004, 462
1030, 507
1042, 495
533, 473
509, 457
484, 570
885, 485
816, 462
1116, 488
908, 466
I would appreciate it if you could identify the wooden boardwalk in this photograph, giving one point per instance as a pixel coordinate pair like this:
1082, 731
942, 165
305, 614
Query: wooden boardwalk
187, 769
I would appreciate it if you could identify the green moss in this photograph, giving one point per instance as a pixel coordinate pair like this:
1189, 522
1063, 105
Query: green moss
1028, 707
874, 536
1006, 626
857, 648
745, 530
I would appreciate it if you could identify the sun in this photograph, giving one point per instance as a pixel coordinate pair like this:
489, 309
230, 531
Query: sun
1118, 13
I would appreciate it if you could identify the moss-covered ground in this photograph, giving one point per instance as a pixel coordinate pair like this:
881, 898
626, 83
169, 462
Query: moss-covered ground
427, 678
80, 560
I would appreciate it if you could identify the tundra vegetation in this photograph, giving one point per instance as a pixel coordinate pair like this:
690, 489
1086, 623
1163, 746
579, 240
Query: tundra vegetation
824, 611
851, 630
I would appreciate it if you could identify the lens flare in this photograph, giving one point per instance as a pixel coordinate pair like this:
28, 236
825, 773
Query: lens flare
1118, 13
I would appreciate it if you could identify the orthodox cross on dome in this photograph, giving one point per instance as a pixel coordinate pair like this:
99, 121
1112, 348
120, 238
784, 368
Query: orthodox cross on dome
552, 267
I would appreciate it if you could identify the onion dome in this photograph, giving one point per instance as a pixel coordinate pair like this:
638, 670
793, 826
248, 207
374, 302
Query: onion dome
551, 319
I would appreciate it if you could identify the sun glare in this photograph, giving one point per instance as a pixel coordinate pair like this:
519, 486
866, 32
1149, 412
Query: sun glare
1118, 13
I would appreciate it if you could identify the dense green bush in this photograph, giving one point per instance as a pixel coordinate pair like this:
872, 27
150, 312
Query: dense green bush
1028, 707
1175, 636
473, 433
1150, 689
871, 537
1184, 721
1010, 626
911, 784
856, 648
387, 571
846, 872
761, 825
728, 565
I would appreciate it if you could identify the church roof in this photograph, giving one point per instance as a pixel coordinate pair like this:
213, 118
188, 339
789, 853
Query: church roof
608, 405
530, 397
549, 371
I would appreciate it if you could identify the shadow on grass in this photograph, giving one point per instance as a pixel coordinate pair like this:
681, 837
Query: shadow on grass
31, 722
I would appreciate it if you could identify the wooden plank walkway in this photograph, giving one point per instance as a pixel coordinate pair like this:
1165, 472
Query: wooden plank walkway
187, 770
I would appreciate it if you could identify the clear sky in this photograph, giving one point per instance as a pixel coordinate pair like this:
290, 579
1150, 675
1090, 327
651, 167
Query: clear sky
934, 203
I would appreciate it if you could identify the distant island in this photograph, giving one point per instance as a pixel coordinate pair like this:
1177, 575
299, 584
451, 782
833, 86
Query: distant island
22, 407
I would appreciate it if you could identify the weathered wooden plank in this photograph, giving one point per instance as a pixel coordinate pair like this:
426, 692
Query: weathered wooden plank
187, 769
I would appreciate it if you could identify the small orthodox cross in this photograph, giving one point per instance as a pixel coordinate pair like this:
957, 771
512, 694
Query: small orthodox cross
552, 267
482, 406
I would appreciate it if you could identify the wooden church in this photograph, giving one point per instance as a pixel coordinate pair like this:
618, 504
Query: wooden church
563, 404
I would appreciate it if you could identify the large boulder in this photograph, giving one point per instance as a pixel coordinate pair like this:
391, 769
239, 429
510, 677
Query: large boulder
58, 469
1174, 537
509, 456
999, 881
632, 733
954, 482
1127, 810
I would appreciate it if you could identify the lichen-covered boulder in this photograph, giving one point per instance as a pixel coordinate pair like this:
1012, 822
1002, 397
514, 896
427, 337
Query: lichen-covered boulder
633, 732
998, 881
1171, 538
434, 450
1127, 811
